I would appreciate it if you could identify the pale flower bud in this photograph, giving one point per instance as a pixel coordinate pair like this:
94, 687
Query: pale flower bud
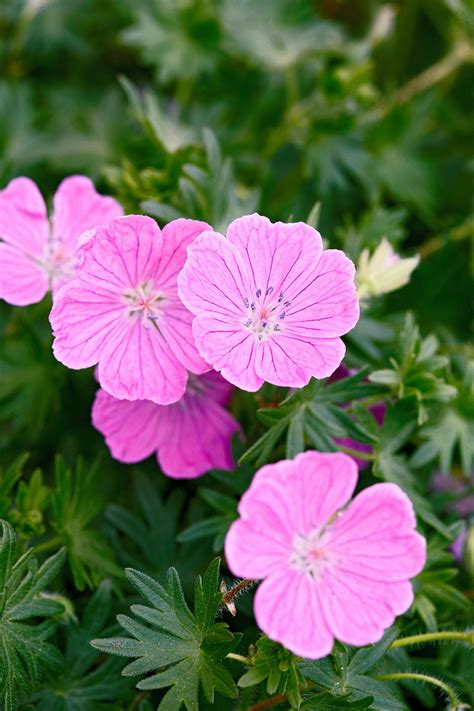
384, 271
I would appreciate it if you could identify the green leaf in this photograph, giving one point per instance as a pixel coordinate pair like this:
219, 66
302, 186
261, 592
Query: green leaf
85, 681
25, 651
184, 650
367, 657
76, 505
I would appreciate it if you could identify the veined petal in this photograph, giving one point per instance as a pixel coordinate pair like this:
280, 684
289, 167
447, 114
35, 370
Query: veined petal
23, 217
22, 280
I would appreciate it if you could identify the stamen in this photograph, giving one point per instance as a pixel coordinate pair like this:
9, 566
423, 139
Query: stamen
269, 290
258, 293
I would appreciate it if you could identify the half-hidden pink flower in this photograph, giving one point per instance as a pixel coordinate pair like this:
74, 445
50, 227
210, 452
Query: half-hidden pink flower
36, 257
123, 312
378, 410
190, 437
270, 304
328, 573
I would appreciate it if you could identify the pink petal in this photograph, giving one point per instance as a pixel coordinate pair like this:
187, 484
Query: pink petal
177, 236
358, 610
124, 254
23, 217
278, 256
79, 207
251, 552
214, 279
216, 387
136, 363
130, 428
297, 359
288, 609
176, 325
83, 318
320, 484
195, 436
229, 348
22, 280
376, 536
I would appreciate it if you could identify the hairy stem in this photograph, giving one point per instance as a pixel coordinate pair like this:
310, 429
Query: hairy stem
434, 637
412, 676
238, 588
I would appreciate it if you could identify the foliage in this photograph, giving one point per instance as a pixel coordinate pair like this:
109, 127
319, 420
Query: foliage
184, 650
23, 597
354, 117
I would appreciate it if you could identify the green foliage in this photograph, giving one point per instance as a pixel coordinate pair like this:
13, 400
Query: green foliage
84, 681
75, 505
23, 598
184, 650
277, 667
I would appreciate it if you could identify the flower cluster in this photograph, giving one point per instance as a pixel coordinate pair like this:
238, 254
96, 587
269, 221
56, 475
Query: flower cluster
172, 319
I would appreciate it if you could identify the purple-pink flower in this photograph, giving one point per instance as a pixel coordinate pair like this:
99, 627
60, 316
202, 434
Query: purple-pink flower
36, 257
270, 303
123, 312
190, 437
328, 573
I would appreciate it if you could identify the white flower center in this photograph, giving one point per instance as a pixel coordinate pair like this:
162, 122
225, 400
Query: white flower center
310, 553
145, 302
266, 312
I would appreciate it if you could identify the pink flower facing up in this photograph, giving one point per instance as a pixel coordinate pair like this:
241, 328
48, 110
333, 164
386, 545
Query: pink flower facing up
328, 574
123, 312
270, 304
190, 437
34, 256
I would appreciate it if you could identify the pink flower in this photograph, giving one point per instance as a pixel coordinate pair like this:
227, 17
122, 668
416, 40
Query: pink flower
270, 304
123, 312
35, 257
190, 437
327, 574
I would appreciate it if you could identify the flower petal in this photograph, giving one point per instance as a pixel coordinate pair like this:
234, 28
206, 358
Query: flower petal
130, 428
177, 236
79, 207
23, 217
279, 256
195, 435
229, 349
214, 279
176, 325
137, 363
83, 318
288, 609
376, 536
22, 280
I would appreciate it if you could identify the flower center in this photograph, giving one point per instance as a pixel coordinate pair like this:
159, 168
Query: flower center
311, 554
144, 302
265, 313
57, 261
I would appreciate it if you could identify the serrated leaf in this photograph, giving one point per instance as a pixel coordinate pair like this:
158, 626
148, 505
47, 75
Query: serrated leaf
184, 650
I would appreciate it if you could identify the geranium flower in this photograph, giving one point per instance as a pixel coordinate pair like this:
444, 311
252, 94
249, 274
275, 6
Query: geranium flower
270, 304
328, 574
190, 437
123, 312
36, 257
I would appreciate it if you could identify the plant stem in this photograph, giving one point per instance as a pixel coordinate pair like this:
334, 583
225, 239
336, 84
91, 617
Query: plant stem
239, 658
229, 596
412, 676
434, 637
47, 545
366, 456
273, 701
